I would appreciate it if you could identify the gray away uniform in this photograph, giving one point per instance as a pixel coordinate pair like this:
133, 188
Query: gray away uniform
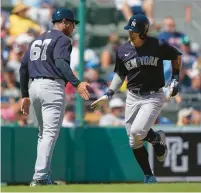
143, 68
46, 63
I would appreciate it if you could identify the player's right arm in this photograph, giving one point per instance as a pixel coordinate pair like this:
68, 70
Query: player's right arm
117, 81
62, 53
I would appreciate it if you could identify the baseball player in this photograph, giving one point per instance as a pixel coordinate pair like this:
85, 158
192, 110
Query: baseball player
141, 60
47, 63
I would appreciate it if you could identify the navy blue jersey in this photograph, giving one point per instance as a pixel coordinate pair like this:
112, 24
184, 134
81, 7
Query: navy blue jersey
42, 53
143, 66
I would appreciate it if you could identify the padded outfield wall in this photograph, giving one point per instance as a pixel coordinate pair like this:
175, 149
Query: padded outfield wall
94, 154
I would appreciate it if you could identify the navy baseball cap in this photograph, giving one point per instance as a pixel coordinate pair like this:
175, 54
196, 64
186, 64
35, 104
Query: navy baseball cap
63, 13
138, 23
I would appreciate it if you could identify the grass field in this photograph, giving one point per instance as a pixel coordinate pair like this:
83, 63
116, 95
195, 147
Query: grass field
166, 187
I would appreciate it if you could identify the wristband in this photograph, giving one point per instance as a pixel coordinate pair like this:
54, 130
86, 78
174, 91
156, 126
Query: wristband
25, 94
109, 93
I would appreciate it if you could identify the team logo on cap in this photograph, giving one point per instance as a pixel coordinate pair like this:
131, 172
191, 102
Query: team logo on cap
133, 23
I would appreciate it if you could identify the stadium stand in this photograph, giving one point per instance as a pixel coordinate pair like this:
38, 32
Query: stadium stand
102, 19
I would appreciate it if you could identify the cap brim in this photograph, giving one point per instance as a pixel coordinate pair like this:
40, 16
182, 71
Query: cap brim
127, 27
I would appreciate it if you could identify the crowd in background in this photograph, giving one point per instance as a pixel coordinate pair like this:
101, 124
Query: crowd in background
29, 19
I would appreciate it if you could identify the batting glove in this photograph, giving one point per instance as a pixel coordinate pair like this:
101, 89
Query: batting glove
173, 86
99, 102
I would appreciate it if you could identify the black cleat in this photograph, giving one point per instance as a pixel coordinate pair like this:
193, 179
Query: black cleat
161, 148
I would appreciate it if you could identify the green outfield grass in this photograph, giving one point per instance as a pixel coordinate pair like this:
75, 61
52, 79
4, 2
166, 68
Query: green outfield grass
165, 187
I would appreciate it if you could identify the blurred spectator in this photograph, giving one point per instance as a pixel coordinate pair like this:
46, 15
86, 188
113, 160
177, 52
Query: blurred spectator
4, 35
116, 115
185, 80
154, 29
196, 117
23, 26
91, 59
163, 120
98, 85
195, 84
184, 117
17, 50
10, 87
188, 57
19, 23
169, 32
70, 92
195, 47
69, 117
74, 62
4, 22
130, 7
196, 65
35, 3
108, 56
10, 112
21, 120
91, 117
42, 14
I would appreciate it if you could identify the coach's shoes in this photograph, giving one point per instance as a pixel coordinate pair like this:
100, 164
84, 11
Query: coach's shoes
42, 183
150, 180
161, 147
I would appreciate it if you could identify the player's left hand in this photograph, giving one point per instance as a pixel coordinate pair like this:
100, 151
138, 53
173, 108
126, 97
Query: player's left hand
99, 102
173, 87
25, 105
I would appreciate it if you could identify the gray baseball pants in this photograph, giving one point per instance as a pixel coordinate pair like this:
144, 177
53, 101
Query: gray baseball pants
48, 100
140, 115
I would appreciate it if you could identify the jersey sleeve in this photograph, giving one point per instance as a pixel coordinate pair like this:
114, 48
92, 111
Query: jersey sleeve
120, 68
168, 52
25, 58
62, 49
